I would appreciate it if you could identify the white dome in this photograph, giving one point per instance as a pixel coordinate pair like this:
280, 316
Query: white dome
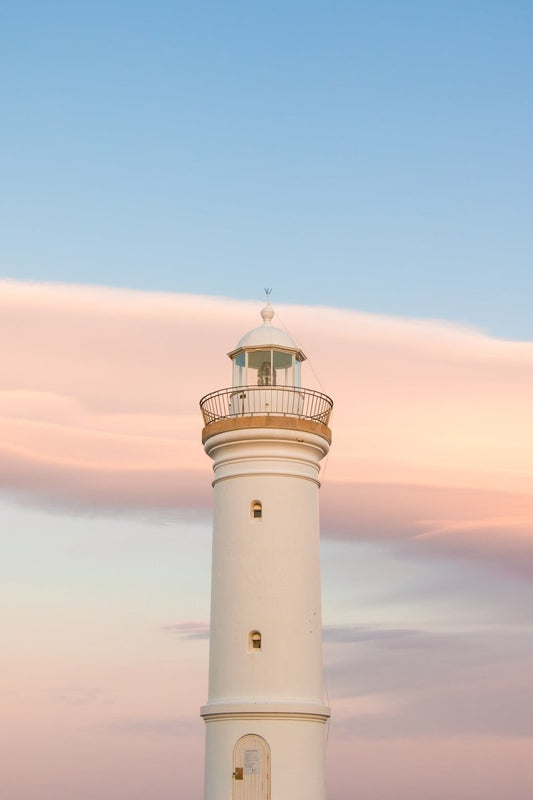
267, 334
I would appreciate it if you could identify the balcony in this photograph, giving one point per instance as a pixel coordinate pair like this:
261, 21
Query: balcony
261, 401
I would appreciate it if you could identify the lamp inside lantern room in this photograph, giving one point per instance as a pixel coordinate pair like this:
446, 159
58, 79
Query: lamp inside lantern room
266, 367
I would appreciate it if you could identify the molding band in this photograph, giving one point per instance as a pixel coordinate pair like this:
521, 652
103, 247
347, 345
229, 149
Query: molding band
265, 475
312, 712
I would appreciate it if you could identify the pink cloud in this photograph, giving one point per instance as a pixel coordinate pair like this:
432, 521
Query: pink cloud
189, 629
433, 439
436, 768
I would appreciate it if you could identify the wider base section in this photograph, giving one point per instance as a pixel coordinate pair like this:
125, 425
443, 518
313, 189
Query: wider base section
276, 755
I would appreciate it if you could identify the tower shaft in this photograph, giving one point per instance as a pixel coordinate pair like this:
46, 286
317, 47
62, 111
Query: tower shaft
265, 714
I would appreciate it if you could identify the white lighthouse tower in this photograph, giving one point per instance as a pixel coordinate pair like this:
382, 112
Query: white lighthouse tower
265, 715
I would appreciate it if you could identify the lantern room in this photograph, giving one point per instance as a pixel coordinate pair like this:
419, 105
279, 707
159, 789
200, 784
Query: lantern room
267, 356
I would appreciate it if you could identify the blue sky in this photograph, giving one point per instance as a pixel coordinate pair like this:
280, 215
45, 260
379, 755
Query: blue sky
375, 156
369, 156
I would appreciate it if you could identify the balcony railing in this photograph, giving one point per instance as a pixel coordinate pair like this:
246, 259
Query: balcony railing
279, 401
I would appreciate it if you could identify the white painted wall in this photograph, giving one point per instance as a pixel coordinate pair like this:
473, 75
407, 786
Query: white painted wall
266, 577
297, 757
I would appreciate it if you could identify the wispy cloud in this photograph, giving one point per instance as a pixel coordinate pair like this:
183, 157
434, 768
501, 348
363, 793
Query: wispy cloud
431, 683
155, 726
433, 442
80, 695
191, 629
384, 637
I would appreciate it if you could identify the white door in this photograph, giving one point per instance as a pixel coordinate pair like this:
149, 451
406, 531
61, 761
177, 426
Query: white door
251, 768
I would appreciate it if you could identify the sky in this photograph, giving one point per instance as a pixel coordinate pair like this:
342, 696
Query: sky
160, 164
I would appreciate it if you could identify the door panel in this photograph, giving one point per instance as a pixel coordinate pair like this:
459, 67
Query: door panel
251, 768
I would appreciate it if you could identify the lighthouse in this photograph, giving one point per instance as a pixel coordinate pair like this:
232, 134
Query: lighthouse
265, 714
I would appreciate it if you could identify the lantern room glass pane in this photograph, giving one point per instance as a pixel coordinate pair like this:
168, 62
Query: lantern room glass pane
239, 370
297, 372
260, 371
283, 368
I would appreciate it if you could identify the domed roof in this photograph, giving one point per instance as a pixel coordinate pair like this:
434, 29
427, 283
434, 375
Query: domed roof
267, 334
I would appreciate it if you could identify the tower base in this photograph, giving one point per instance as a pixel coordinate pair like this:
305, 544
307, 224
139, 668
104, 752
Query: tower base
259, 751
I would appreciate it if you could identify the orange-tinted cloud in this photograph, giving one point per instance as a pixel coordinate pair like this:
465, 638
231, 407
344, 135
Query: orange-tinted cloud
433, 440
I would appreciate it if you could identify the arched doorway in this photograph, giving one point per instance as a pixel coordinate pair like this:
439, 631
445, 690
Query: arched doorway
251, 768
